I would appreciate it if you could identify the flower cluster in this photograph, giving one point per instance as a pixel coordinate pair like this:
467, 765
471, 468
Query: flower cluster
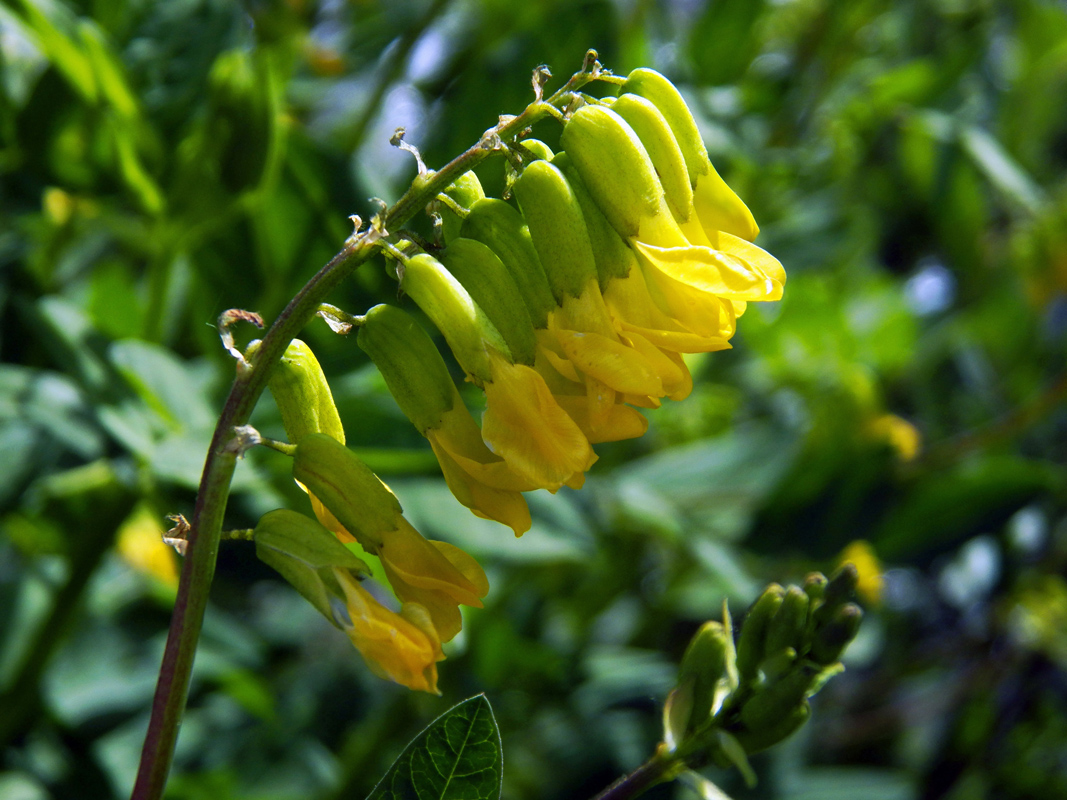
571, 311
627, 250
430, 579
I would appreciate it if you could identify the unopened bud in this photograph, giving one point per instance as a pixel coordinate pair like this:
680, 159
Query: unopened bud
500, 227
750, 645
302, 394
410, 363
787, 629
557, 228
347, 488
488, 281
833, 637
465, 191
705, 664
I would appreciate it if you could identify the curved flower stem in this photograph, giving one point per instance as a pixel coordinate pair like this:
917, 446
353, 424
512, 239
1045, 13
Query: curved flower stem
660, 768
172, 688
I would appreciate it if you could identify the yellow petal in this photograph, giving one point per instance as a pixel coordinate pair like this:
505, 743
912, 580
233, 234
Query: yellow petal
501, 505
642, 400
561, 365
620, 367
673, 374
466, 564
713, 271
421, 573
599, 400
697, 311
395, 646
720, 209
461, 437
621, 422
680, 341
524, 425
752, 255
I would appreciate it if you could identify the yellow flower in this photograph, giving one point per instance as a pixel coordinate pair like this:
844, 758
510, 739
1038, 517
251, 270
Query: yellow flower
436, 575
523, 424
400, 647
861, 554
353, 503
419, 381
899, 434
140, 544
692, 271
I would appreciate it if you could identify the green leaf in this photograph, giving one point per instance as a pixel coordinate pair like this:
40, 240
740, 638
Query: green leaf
457, 756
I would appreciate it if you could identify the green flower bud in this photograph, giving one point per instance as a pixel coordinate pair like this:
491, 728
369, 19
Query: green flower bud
557, 228
451, 308
840, 589
789, 625
774, 701
488, 281
347, 488
305, 554
751, 644
614, 258
705, 666
615, 167
537, 148
833, 637
500, 227
716, 204
302, 394
655, 134
466, 190
777, 662
410, 363
815, 586
753, 741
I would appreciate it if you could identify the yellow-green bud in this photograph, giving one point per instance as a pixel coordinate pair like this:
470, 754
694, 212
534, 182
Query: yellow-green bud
411, 364
301, 393
488, 281
788, 627
615, 167
557, 228
717, 206
500, 227
347, 488
655, 88
655, 134
614, 258
704, 663
466, 190
451, 308
537, 148
750, 645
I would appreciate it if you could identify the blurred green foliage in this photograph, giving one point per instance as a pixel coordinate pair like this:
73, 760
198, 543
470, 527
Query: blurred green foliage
163, 160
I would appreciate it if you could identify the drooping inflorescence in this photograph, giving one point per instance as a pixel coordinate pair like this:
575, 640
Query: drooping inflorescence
570, 309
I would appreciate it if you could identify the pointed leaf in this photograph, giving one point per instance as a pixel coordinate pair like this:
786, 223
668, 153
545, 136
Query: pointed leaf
458, 757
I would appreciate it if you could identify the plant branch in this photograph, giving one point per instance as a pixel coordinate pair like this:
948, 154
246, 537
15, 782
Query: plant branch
661, 767
198, 569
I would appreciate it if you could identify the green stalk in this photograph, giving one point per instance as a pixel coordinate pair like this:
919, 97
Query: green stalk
198, 569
